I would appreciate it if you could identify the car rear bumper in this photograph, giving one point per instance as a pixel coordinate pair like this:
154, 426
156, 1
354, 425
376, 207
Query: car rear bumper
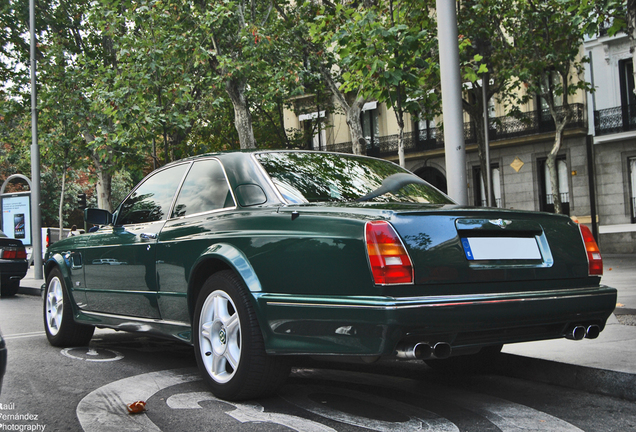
13, 270
376, 325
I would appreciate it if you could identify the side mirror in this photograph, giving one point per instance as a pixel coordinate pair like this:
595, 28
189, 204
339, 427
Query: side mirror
98, 216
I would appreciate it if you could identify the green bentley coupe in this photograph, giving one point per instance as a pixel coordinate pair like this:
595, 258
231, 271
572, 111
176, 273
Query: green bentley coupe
256, 257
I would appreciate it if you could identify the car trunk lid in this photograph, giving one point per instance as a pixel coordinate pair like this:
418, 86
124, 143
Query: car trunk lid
493, 247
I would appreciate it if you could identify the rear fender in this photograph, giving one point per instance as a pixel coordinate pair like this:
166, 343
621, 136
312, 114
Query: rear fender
232, 258
235, 259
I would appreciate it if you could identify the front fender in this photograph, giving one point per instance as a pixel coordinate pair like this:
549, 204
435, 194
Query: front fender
63, 261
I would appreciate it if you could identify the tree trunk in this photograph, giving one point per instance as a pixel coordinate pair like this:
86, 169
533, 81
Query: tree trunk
104, 183
358, 141
242, 117
61, 210
560, 124
104, 178
353, 110
551, 161
399, 115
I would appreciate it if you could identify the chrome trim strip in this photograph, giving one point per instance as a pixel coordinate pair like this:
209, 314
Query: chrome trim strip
133, 319
448, 301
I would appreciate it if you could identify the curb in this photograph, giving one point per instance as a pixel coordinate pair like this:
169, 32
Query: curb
30, 291
592, 380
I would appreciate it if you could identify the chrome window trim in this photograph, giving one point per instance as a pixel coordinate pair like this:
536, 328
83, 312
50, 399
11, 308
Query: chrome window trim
152, 174
174, 202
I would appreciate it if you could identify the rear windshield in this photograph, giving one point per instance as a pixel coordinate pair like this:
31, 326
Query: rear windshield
308, 177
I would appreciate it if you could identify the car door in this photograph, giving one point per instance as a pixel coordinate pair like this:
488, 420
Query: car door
119, 265
202, 208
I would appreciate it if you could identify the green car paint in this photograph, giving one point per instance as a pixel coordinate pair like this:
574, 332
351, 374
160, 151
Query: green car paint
306, 265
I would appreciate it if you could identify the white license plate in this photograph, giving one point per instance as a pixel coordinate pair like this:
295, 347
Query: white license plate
501, 248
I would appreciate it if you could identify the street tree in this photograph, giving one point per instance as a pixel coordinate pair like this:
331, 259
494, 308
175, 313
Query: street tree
488, 58
548, 35
325, 24
386, 51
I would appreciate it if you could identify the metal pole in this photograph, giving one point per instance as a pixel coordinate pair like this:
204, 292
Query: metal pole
36, 214
589, 145
452, 101
484, 91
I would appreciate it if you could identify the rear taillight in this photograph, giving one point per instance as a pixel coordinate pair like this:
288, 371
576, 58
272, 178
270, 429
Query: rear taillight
389, 260
594, 259
13, 252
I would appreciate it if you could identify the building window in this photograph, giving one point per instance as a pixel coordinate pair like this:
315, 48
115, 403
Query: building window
370, 126
552, 82
628, 98
626, 78
631, 162
546, 197
314, 130
480, 188
425, 131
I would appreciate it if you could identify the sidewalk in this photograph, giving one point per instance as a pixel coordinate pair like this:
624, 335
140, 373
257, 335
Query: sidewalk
606, 365
29, 285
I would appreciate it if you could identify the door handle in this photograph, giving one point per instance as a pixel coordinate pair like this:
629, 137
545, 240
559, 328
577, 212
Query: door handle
148, 236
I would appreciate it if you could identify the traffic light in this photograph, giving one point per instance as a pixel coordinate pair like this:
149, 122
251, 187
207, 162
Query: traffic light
81, 201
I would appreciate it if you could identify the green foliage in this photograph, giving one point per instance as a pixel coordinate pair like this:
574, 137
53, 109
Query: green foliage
549, 41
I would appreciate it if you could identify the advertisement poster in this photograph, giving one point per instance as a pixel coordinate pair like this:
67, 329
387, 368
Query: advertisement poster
16, 216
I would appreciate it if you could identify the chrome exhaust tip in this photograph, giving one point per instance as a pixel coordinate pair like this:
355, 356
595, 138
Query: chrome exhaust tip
576, 333
442, 350
592, 332
420, 350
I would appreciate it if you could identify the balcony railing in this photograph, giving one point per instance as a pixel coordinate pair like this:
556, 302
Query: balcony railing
615, 120
565, 198
484, 203
507, 127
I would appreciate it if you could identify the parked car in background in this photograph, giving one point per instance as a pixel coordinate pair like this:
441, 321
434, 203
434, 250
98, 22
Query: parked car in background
13, 265
3, 360
254, 257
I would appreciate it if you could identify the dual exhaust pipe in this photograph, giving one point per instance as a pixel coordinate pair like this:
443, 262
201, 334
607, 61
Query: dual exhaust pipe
424, 350
579, 332
442, 350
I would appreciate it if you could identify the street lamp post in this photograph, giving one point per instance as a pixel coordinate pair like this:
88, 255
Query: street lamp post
454, 147
36, 220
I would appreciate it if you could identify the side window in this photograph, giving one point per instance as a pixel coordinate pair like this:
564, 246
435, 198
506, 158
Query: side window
151, 200
204, 189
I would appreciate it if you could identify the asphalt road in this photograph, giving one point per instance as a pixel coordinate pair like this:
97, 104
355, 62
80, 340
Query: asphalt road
87, 389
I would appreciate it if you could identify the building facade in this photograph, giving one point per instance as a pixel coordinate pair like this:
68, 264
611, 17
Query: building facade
596, 164
612, 122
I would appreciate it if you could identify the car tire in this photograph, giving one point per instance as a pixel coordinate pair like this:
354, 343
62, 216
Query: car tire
9, 288
59, 325
228, 342
482, 361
